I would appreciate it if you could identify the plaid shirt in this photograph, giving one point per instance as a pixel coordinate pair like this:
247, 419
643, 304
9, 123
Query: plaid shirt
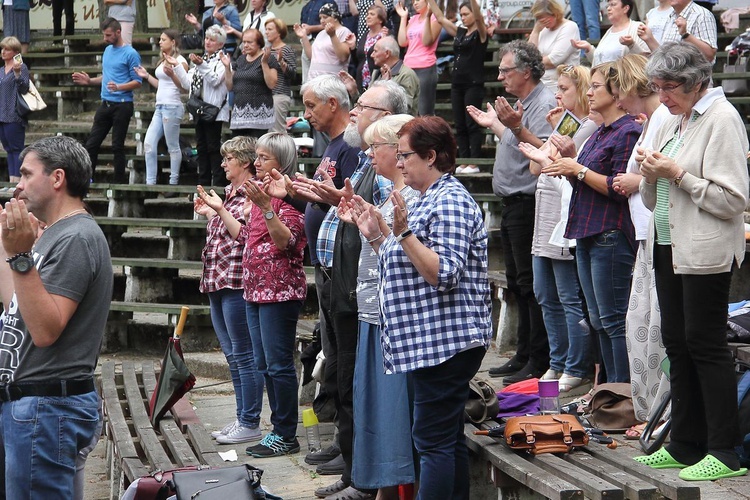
606, 152
381, 189
701, 23
222, 255
425, 325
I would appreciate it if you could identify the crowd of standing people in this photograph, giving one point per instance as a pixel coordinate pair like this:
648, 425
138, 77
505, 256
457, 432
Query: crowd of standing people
632, 222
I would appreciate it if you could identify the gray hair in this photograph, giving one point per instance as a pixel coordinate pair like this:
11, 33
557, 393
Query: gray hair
67, 154
390, 44
525, 56
242, 148
325, 87
216, 33
681, 63
386, 128
394, 98
283, 148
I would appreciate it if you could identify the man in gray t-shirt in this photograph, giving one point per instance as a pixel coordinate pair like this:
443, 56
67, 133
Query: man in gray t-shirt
56, 292
520, 70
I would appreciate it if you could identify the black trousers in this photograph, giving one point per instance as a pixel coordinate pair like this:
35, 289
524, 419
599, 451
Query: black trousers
58, 6
113, 116
469, 136
517, 232
694, 330
208, 144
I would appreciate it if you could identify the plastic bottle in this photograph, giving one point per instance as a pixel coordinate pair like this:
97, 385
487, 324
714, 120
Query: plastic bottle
549, 402
310, 423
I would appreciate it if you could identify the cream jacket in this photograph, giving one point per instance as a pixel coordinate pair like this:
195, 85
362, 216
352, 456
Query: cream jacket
705, 212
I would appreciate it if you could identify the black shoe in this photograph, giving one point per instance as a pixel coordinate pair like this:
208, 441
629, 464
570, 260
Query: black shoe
527, 372
273, 445
512, 366
333, 467
323, 456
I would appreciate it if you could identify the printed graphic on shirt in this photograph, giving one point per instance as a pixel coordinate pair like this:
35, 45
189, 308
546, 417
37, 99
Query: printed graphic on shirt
329, 166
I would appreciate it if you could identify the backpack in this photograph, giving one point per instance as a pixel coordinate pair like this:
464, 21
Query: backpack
743, 404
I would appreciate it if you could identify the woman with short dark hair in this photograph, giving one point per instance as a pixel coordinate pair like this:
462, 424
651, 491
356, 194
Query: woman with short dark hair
435, 300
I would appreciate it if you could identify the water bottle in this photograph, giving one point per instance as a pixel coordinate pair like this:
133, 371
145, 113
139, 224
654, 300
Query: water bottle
549, 392
310, 423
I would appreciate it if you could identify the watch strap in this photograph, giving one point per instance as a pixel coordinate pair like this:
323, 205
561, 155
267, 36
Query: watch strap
18, 256
403, 235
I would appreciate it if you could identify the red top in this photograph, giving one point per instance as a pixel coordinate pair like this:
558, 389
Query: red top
270, 274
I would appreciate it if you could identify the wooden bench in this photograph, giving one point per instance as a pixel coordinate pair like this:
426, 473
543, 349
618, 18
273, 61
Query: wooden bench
134, 447
594, 472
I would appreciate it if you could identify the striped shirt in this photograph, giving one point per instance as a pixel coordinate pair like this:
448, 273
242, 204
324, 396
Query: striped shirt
425, 325
284, 81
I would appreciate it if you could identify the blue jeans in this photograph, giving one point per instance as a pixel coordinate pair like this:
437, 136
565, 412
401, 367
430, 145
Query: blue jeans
41, 437
605, 267
440, 396
273, 329
230, 323
585, 14
165, 123
13, 136
556, 289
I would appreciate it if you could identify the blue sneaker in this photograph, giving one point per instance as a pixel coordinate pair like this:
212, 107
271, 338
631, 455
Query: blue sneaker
273, 445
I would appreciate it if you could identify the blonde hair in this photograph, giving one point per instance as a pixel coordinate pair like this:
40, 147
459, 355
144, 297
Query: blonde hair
608, 71
550, 7
386, 128
11, 43
581, 78
630, 76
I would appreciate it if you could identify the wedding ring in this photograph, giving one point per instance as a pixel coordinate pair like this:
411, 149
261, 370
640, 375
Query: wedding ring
11, 228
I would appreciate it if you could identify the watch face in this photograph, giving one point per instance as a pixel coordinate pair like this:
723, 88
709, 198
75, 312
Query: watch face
22, 264
269, 215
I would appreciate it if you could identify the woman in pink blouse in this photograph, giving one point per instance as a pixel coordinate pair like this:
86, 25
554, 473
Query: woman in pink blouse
275, 286
420, 37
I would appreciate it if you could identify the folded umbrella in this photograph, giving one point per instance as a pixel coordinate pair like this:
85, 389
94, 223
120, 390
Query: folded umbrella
175, 379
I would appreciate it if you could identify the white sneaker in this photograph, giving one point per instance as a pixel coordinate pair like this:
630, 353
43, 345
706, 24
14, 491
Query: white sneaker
240, 434
551, 374
226, 430
460, 169
471, 169
569, 382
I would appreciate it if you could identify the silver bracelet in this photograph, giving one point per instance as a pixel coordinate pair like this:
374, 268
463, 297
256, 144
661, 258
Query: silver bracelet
376, 238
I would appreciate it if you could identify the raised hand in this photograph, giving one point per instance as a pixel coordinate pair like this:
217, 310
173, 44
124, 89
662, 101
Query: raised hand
401, 9
506, 114
554, 116
210, 198
564, 145
274, 184
141, 71
483, 118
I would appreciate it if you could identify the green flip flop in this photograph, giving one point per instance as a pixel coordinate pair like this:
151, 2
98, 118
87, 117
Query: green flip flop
709, 469
660, 459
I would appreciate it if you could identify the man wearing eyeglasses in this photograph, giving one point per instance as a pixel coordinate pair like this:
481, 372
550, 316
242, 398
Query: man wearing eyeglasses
521, 69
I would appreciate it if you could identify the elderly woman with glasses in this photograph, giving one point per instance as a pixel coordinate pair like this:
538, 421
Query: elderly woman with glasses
434, 299
275, 286
696, 182
222, 281
599, 220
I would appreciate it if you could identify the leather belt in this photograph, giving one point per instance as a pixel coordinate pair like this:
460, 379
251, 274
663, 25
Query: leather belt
14, 392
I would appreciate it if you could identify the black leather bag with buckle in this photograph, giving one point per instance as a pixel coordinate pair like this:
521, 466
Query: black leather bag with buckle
202, 111
228, 483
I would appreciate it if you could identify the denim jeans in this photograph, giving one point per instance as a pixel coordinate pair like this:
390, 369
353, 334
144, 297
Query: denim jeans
165, 123
12, 136
440, 396
605, 268
115, 116
41, 437
230, 323
273, 329
585, 14
556, 288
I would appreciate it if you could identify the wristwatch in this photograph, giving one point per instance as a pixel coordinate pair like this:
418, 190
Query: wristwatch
269, 215
21, 262
403, 236
516, 130
685, 35
582, 173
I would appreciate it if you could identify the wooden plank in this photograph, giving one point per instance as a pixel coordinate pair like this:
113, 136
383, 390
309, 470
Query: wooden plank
633, 487
133, 469
593, 487
181, 451
155, 453
203, 444
119, 432
184, 414
664, 479
520, 469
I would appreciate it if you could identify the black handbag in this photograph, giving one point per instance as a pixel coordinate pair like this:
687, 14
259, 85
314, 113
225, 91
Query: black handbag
228, 483
202, 111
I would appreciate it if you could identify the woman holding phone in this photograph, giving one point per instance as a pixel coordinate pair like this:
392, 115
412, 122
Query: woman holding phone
15, 79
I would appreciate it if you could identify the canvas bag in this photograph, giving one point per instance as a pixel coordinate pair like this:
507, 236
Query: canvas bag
611, 407
29, 102
736, 86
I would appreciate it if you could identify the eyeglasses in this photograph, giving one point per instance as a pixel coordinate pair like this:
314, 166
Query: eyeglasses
505, 71
359, 107
402, 156
667, 90
376, 145
262, 159
227, 159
